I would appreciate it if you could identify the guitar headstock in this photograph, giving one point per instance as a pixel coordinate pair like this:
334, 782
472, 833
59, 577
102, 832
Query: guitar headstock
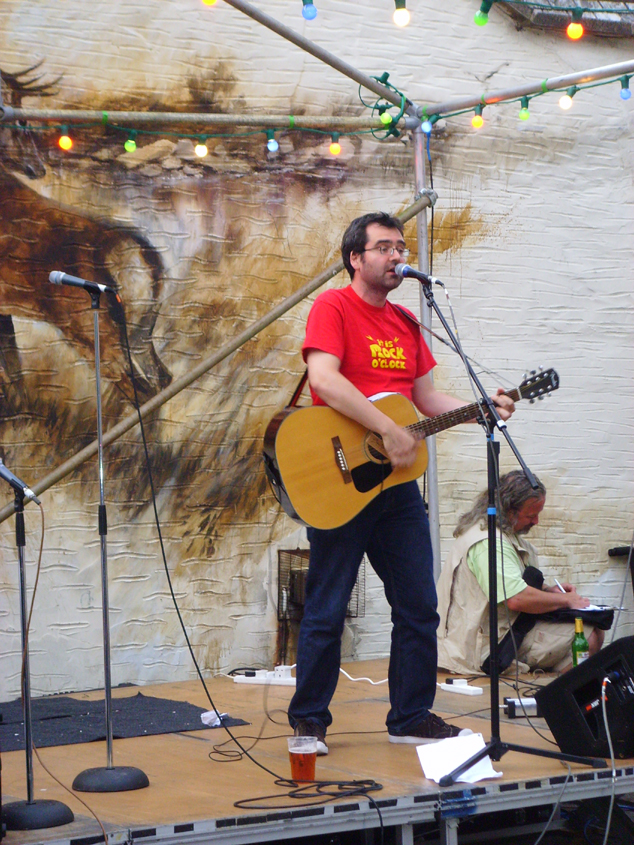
538, 384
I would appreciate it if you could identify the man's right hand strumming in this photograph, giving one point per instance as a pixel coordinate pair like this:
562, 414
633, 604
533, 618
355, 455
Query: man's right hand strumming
400, 445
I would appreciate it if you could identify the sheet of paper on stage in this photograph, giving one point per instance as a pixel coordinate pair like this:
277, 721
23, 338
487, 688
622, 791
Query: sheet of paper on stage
211, 718
440, 758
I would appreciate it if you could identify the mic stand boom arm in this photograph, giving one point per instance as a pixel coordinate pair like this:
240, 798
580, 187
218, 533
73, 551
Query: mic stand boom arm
490, 420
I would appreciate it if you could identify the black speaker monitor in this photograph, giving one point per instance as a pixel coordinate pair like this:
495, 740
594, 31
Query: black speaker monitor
571, 704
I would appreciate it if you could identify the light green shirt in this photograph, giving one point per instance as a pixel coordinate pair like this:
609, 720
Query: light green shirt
510, 581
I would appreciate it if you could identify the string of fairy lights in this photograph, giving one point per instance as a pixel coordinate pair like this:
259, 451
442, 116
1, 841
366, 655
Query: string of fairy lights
565, 102
400, 16
387, 120
574, 29
66, 140
391, 123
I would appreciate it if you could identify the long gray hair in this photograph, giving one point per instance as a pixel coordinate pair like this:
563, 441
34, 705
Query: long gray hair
514, 492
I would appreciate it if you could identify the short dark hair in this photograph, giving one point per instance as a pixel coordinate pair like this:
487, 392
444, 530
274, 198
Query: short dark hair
355, 237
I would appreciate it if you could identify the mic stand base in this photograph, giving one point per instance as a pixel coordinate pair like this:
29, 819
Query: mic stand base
495, 749
36, 815
111, 779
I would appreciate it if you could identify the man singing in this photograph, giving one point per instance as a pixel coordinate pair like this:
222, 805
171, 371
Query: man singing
358, 345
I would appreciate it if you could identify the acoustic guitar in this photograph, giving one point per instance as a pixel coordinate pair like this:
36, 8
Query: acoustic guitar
324, 468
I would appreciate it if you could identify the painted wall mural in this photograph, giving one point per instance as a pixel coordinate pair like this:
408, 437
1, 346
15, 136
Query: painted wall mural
201, 248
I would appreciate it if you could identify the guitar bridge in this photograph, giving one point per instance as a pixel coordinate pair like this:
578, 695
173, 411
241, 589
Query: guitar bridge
341, 461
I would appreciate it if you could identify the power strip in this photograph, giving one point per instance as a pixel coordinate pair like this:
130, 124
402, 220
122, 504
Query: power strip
461, 686
280, 676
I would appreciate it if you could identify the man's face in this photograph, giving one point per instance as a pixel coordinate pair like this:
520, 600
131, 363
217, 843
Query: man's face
376, 270
527, 516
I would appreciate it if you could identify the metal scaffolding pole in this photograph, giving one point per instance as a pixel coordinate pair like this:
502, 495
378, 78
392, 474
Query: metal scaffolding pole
557, 82
418, 139
316, 51
152, 118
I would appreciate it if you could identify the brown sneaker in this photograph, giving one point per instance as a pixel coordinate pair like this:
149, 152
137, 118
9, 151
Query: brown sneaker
431, 729
306, 727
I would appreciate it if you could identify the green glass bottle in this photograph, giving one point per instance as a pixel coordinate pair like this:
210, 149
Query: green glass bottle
580, 647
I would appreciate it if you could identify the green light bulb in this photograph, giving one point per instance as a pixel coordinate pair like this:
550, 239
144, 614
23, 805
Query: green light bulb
481, 18
130, 145
386, 118
524, 114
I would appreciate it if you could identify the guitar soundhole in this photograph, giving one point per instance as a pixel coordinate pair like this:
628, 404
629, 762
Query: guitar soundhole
372, 452
377, 456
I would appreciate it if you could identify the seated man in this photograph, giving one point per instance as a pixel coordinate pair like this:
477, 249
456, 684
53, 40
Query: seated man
463, 592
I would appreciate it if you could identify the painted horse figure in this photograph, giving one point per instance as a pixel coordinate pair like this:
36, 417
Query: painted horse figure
40, 235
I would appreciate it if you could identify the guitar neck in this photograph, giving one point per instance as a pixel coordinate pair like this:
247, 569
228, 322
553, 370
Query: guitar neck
433, 425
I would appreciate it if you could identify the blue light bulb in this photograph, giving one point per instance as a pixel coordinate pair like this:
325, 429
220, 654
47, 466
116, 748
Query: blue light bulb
625, 93
426, 126
309, 11
272, 145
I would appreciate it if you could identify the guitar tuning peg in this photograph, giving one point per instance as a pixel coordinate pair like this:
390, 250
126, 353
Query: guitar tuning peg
541, 368
533, 372
540, 398
532, 401
525, 376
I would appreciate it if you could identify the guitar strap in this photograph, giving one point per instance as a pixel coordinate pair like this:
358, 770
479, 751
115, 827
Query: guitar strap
298, 390
413, 319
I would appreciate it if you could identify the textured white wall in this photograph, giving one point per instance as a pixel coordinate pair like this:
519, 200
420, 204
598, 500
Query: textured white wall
536, 253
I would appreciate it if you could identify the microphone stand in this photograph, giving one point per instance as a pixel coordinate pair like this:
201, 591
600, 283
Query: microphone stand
109, 778
29, 814
490, 420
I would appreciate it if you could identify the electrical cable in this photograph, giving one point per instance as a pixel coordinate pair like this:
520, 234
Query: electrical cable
628, 569
369, 681
346, 787
459, 349
604, 697
555, 806
162, 546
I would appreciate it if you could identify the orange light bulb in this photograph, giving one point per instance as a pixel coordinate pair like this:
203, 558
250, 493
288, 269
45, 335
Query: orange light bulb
65, 142
574, 30
335, 148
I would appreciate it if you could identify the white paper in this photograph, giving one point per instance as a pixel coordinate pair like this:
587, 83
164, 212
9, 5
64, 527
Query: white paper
210, 718
440, 758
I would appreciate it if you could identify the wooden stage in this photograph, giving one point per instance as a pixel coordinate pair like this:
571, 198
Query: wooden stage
191, 798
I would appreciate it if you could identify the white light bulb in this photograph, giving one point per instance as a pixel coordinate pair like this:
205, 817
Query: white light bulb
401, 17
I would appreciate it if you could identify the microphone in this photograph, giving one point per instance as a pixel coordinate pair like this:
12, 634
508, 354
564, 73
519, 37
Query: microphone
18, 485
404, 271
59, 278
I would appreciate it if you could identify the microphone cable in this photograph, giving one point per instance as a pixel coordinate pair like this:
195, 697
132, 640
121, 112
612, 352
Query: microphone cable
121, 310
346, 788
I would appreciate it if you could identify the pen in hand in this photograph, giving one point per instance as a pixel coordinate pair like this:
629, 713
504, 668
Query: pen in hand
559, 585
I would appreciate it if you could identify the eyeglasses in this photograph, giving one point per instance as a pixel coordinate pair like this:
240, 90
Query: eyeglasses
383, 249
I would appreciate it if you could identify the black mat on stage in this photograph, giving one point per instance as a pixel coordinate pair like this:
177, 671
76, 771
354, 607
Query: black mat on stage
61, 720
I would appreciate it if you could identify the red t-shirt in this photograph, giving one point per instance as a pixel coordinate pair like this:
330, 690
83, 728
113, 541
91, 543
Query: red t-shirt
380, 349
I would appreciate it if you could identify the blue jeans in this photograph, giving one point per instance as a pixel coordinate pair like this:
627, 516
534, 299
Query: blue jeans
394, 531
